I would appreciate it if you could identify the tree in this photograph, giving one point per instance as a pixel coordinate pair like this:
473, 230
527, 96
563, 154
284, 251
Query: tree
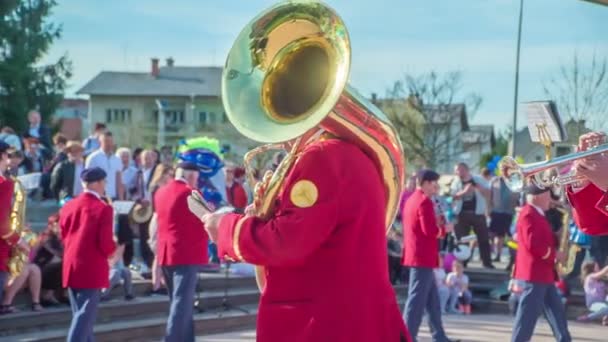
425, 110
580, 90
25, 37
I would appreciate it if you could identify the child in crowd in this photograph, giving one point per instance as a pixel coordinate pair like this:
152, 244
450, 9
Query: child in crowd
442, 288
118, 272
458, 283
594, 284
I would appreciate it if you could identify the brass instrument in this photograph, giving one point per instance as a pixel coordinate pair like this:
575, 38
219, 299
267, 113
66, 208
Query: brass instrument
285, 75
518, 173
19, 258
566, 246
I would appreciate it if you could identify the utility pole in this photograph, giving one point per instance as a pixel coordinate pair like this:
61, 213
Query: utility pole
521, 15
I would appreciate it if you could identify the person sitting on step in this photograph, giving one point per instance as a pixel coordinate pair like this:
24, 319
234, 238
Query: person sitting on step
458, 282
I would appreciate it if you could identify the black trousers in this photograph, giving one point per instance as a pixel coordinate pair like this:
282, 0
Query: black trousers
466, 221
599, 249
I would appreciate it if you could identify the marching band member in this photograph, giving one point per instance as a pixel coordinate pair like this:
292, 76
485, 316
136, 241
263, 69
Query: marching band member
535, 265
323, 249
181, 249
87, 231
421, 254
590, 199
7, 238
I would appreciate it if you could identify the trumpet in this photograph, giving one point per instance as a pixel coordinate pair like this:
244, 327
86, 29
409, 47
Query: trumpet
516, 174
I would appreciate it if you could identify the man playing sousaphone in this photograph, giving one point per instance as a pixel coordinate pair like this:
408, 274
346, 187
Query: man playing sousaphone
318, 227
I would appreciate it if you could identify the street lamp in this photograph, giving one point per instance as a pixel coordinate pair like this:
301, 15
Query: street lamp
521, 15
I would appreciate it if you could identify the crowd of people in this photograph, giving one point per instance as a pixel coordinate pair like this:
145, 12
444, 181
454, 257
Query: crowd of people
131, 175
429, 247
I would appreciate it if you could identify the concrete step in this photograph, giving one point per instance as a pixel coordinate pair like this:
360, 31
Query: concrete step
151, 329
118, 310
141, 287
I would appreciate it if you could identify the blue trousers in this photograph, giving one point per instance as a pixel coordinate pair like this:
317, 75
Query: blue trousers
3, 279
84, 311
423, 295
181, 283
535, 299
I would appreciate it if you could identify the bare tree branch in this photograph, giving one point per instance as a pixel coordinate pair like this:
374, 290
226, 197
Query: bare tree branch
424, 109
581, 90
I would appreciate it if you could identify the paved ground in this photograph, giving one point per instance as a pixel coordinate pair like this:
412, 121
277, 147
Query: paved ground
475, 328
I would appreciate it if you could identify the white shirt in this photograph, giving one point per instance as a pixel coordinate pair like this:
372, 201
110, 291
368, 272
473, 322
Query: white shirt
77, 189
540, 211
111, 164
129, 177
94, 193
34, 131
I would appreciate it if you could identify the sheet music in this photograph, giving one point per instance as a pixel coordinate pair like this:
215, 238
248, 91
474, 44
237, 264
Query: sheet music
544, 114
123, 207
30, 181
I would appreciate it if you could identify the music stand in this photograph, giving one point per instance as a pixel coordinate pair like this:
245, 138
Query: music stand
545, 124
226, 304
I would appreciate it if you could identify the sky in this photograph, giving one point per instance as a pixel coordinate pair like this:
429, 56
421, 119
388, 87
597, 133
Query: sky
389, 38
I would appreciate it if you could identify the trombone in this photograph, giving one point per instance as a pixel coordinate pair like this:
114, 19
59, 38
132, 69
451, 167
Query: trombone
516, 174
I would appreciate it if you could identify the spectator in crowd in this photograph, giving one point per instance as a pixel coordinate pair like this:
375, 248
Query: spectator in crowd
158, 282
9, 136
34, 162
235, 192
29, 278
105, 159
502, 205
144, 197
38, 130
594, 284
92, 143
395, 251
48, 257
458, 283
119, 273
128, 171
137, 157
469, 193
60, 142
15, 165
486, 174
166, 155
128, 178
410, 187
442, 288
65, 179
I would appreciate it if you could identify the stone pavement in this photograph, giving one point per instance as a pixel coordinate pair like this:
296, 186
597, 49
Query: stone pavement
474, 328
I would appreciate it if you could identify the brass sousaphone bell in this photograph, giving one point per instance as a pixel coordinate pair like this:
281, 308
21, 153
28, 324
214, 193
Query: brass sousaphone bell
287, 74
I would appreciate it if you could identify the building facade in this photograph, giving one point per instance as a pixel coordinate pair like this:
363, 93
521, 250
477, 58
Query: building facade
187, 99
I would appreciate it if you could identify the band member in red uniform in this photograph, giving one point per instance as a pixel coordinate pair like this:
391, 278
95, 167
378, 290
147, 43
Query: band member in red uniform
535, 265
7, 238
421, 254
87, 231
323, 249
181, 249
590, 199
235, 192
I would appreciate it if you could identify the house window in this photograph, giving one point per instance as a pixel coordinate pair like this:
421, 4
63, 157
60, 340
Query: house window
118, 115
172, 117
212, 118
202, 118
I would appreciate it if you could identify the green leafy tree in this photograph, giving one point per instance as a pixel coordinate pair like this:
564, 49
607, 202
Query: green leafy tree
26, 34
